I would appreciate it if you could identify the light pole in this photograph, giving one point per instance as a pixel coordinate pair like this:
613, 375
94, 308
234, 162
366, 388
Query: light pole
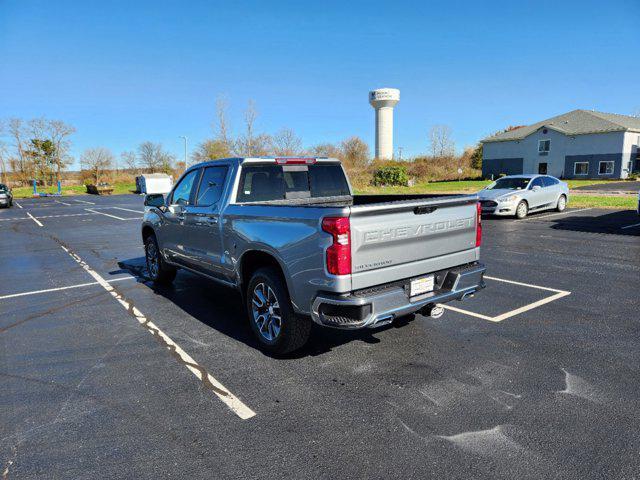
185, 150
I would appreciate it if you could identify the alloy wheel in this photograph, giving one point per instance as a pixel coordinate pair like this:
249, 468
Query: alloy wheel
153, 262
266, 312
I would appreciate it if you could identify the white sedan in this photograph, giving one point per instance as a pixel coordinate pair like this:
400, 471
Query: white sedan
517, 195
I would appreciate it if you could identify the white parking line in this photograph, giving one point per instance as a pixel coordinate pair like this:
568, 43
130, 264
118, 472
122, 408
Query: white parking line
556, 214
62, 203
128, 210
48, 290
233, 402
46, 216
18, 205
107, 215
83, 201
630, 226
34, 219
498, 318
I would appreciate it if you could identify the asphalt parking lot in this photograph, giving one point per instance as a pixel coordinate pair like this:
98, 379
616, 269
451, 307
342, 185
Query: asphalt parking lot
105, 376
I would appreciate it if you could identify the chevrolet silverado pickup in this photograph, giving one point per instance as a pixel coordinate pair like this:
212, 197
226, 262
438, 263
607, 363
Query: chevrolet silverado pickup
301, 247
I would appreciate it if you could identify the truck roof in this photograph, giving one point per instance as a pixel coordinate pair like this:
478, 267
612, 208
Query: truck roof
279, 160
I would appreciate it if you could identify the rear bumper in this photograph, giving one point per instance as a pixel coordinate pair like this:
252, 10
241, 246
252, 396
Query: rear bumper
380, 305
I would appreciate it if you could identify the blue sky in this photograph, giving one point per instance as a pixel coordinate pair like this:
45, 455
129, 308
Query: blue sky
123, 72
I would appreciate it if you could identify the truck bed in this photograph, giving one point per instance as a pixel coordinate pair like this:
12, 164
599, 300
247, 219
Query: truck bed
362, 200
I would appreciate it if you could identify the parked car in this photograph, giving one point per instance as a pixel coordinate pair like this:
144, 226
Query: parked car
292, 237
638, 205
517, 195
6, 197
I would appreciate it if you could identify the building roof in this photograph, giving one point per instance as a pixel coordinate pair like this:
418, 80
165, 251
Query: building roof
576, 122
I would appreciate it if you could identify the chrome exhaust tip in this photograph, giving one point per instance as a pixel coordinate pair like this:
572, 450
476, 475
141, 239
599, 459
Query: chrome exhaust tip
433, 311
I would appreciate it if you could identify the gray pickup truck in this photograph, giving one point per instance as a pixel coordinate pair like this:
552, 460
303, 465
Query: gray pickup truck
291, 236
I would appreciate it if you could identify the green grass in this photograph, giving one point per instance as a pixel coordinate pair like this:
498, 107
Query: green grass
26, 192
593, 201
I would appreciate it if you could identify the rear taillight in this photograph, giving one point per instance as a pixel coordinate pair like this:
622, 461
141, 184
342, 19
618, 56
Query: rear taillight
339, 253
478, 224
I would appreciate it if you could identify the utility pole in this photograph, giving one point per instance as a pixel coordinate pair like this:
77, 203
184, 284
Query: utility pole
399, 153
185, 150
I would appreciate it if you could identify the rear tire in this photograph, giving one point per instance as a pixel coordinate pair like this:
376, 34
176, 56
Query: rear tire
158, 270
522, 210
276, 326
562, 203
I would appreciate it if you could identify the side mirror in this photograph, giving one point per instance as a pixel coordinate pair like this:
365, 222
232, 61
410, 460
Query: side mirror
535, 188
154, 200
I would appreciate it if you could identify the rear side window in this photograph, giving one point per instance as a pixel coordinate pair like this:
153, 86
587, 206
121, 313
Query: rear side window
211, 185
548, 181
536, 182
260, 183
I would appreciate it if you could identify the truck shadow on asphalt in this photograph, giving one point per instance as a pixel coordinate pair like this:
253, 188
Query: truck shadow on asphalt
222, 308
609, 223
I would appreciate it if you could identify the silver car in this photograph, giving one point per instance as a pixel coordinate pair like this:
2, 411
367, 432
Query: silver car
517, 195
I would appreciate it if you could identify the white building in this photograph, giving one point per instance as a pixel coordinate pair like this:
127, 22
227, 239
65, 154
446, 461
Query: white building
577, 144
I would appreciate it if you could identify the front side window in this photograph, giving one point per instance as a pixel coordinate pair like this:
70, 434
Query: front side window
3, 188
581, 168
605, 168
182, 192
211, 185
544, 146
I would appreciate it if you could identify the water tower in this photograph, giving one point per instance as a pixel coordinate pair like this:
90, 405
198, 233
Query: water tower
383, 100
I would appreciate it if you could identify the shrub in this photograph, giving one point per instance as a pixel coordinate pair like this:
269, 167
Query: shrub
391, 175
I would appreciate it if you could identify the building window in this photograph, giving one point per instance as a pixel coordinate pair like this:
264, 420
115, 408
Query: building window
605, 168
581, 168
543, 146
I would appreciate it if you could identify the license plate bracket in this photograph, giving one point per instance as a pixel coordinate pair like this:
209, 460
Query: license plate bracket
421, 285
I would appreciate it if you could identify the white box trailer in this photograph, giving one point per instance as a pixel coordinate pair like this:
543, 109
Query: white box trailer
154, 183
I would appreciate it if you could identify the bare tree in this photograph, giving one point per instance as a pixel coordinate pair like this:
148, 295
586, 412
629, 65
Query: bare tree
326, 150
3, 162
355, 153
130, 160
21, 163
286, 143
442, 145
59, 133
222, 131
153, 158
250, 144
96, 161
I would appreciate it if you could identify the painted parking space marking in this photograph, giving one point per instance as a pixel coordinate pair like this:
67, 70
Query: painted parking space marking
40, 217
208, 381
58, 289
83, 201
62, 203
128, 210
18, 205
35, 219
112, 216
630, 226
556, 214
512, 313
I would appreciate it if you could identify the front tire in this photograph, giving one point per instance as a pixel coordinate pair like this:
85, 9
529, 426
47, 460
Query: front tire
274, 323
522, 210
158, 270
562, 203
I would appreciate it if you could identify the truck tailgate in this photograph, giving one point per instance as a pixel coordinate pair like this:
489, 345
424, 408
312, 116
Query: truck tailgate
420, 236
